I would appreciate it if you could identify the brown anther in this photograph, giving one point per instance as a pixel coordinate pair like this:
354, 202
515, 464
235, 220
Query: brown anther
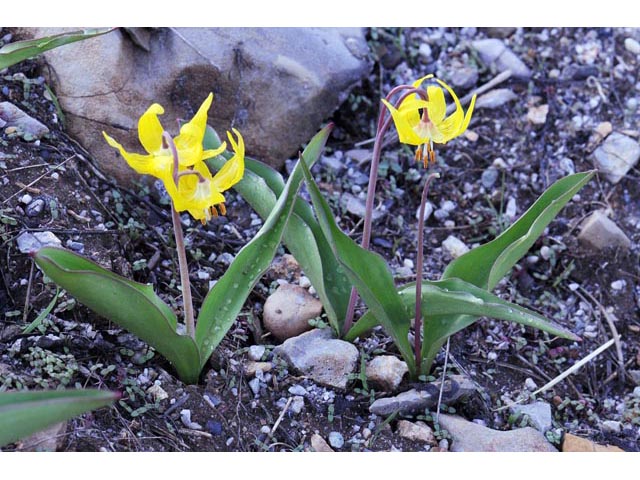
223, 209
432, 155
418, 155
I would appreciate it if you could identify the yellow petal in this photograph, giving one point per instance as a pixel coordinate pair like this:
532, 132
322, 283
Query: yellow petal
405, 123
214, 153
418, 82
196, 192
437, 105
150, 130
144, 164
233, 170
189, 145
467, 117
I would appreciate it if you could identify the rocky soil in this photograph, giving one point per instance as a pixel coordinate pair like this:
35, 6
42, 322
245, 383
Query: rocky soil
569, 103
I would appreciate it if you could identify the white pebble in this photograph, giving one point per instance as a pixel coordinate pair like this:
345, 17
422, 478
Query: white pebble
26, 199
530, 384
618, 285
304, 282
632, 45
455, 246
546, 252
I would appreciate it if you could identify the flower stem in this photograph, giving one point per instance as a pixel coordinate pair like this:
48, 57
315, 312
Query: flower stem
383, 126
417, 326
183, 267
184, 274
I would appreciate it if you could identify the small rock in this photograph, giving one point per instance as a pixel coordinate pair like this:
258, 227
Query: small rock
494, 52
326, 360
530, 385
599, 232
386, 371
254, 385
225, 258
489, 177
31, 242
539, 414
636, 392
572, 443
359, 155
471, 135
455, 246
48, 440
297, 404
425, 52
35, 208
428, 210
157, 393
256, 352
500, 32
538, 115
26, 199
611, 426
30, 128
416, 432
336, 440
511, 209
318, 444
632, 45
471, 437
214, 427
356, 206
304, 282
618, 285
616, 156
456, 388
495, 98
298, 390
288, 310
252, 368
464, 76
185, 417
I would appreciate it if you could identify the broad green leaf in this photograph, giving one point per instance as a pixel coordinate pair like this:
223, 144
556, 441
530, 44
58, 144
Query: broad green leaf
368, 272
226, 298
260, 187
26, 412
451, 305
485, 265
16, 52
132, 305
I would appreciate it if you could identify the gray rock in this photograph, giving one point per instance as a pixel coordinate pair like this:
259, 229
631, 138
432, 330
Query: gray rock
318, 444
539, 414
471, 437
256, 352
276, 85
297, 404
288, 310
31, 242
336, 440
455, 246
500, 32
456, 388
463, 76
495, 98
386, 371
325, 360
416, 432
632, 45
252, 368
611, 426
495, 53
48, 440
428, 210
357, 206
616, 156
297, 390
489, 177
636, 392
29, 128
599, 232
254, 385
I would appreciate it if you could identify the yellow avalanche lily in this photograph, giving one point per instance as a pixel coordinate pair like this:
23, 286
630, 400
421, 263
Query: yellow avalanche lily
422, 122
186, 178
159, 161
199, 192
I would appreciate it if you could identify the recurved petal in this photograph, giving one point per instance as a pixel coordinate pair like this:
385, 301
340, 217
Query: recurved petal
140, 163
189, 145
418, 82
467, 117
437, 105
199, 120
233, 170
214, 153
405, 123
150, 130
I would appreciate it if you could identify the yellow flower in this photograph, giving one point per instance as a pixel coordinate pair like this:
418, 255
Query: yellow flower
199, 192
159, 160
422, 122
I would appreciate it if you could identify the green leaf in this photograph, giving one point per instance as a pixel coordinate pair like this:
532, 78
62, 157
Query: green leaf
23, 413
226, 298
485, 265
369, 274
303, 236
132, 305
16, 52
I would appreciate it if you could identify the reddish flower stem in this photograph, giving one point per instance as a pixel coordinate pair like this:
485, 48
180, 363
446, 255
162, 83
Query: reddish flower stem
417, 326
183, 267
384, 121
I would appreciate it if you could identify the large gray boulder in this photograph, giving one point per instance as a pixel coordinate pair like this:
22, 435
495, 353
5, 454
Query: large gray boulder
276, 85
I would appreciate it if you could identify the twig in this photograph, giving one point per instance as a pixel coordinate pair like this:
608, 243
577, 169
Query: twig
284, 410
28, 297
498, 79
444, 378
37, 179
614, 332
